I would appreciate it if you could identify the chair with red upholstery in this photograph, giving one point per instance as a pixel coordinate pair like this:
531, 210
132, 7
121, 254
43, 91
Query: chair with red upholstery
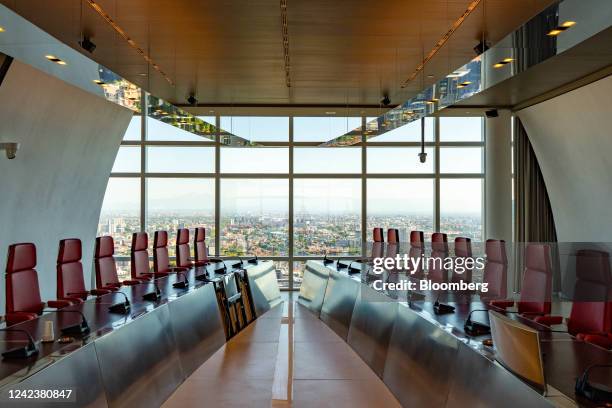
439, 251
378, 235
393, 236
199, 247
183, 253
161, 259
105, 266
463, 251
591, 316
70, 281
417, 250
536, 289
22, 290
139, 257
495, 272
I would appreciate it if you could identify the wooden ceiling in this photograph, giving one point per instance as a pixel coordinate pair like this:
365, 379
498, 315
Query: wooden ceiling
342, 52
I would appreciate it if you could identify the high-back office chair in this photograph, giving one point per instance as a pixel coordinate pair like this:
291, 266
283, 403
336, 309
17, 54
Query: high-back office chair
439, 251
417, 249
22, 290
199, 247
161, 259
591, 316
536, 288
70, 281
463, 250
105, 266
377, 235
393, 236
496, 270
183, 253
139, 257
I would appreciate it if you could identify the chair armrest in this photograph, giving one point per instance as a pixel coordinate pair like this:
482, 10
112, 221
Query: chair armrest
60, 303
102, 291
177, 269
200, 263
601, 340
502, 304
81, 295
131, 282
548, 320
18, 317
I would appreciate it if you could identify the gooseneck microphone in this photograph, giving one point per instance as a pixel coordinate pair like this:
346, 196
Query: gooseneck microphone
121, 307
476, 328
152, 296
442, 308
184, 284
352, 270
26, 351
75, 329
595, 392
219, 260
237, 264
327, 261
254, 260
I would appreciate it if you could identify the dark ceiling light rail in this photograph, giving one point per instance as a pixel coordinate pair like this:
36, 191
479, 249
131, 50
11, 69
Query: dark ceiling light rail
285, 31
443, 40
128, 39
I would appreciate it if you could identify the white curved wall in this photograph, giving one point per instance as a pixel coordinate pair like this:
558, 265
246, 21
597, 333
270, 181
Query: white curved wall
55, 187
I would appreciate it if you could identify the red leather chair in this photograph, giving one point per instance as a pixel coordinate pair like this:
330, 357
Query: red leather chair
393, 236
183, 253
417, 243
139, 257
536, 289
591, 317
378, 235
161, 259
439, 251
496, 270
106, 268
70, 281
463, 250
199, 247
22, 290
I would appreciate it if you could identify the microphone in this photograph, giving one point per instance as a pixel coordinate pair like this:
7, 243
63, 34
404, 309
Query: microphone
184, 284
327, 261
442, 308
26, 351
593, 391
152, 296
475, 328
237, 264
254, 261
219, 270
352, 270
75, 329
120, 308
341, 265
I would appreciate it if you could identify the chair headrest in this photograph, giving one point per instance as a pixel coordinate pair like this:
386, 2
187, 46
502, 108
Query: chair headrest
69, 251
463, 246
496, 251
182, 236
439, 241
592, 265
377, 235
21, 257
160, 239
416, 239
200, 234
537, 257
140, 241
392, 235
105, 247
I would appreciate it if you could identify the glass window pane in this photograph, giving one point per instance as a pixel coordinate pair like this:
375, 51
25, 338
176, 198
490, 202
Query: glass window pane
461, 160
254, 160
403, 204
322, 129
461, 208
120, 214
410, 132
133, 130
401, 160
327, 216
257, 129
212, 120
327, 160
127, 160
158, 130
184, 159
254, 217
174, 203
468, 129
282, 273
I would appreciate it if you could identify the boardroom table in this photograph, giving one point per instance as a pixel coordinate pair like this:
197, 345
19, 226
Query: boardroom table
427, 359
136, 359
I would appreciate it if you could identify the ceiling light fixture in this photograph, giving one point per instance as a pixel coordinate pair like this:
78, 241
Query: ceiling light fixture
99, 82
561, 28
1, 29
330, 113
471, 7
127, 38
458, 73
503, 62
55, 59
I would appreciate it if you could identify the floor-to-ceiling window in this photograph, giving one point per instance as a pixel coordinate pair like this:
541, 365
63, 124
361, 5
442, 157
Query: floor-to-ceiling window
289, 198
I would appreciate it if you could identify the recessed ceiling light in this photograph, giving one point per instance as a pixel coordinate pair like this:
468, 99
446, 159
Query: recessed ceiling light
55, 59
1, 29
211, 111
330, 113
99, 81
568, 24
430, 76
507, 60
498, 65
143, 74
554, 32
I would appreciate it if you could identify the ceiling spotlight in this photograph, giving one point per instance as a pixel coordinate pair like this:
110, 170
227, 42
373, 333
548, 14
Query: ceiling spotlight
87, 44
568, 24
507, 60
430, 76
192, 100
498, 65
99, 82
55, 59
1, 29
558, 30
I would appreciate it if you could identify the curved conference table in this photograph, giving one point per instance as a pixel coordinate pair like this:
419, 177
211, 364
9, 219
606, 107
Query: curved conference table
427, 360
137, 359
